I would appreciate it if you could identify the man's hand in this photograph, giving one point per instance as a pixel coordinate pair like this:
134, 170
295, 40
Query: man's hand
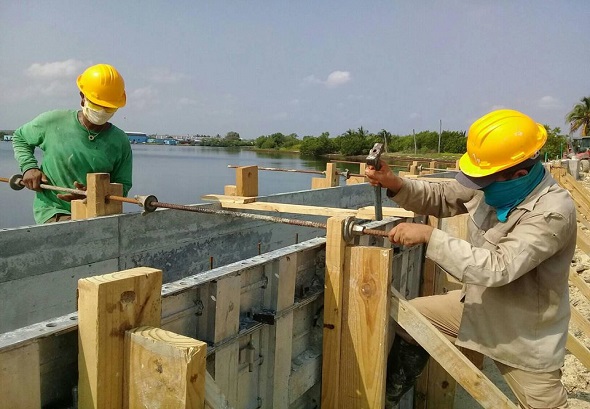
33, 178
410, 234
68, 197
384, 177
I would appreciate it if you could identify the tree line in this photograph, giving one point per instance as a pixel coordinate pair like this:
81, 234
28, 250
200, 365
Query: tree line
360, 141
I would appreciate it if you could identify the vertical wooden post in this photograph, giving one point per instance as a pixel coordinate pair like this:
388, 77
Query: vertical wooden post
365, 328
247, 181
279, 295
358, 179
332, 179
98, 186
226, 296
164, 370
109, 305
335, 259
414, 168
20, 382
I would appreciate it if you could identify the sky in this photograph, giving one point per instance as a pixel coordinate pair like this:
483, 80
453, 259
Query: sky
306, 67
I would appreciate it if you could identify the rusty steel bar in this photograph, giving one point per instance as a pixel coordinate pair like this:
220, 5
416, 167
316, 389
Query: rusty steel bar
73, 191
150, 203
315, 172
273, 219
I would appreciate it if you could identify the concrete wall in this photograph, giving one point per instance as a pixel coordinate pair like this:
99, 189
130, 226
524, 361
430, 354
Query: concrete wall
40, 265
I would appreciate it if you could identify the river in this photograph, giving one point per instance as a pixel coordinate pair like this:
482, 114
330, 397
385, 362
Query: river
174, 174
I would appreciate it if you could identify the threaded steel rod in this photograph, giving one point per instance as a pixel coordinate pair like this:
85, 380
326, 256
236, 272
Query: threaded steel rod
199, 209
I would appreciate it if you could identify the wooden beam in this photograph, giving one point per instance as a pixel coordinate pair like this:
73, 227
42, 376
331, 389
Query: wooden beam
280, 346
579, 350
365, 325
247, 181
109, 305
580, 284
335, 260
98, 187
330, 180
580, 321
367, 212
164, 370
445, 353
20, 377
228, 198
214, 398
226, 296
353, 180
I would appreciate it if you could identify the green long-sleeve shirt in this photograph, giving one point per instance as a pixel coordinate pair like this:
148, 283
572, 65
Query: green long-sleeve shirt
68, 155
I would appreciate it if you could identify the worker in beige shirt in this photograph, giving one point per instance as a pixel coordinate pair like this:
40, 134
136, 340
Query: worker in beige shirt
514, 306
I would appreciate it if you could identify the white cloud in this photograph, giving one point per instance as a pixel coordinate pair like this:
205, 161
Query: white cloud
337, 78
56, 70
549, 102
187, 101
312, 80
141, 98
165, 76
414, 115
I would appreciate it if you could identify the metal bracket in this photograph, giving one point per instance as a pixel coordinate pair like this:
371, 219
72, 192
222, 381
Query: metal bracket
265, 317
15, 182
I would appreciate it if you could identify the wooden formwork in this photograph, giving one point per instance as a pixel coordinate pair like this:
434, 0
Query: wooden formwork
261, 318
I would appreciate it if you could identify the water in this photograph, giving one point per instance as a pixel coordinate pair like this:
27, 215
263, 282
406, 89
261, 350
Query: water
174, 174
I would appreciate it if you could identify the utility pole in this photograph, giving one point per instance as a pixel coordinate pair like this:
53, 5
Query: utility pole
439, 134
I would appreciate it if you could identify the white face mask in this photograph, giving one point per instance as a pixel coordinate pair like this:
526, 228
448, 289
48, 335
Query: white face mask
96, 117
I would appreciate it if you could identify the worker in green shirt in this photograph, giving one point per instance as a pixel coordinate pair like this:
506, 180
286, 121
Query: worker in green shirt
75, 143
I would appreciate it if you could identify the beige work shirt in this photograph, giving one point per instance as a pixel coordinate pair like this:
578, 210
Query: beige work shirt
515, 274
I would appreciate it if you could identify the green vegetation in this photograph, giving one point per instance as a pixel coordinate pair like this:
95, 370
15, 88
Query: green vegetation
579, 117
230, 140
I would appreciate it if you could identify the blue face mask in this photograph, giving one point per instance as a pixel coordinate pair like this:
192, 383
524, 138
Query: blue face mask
505, 196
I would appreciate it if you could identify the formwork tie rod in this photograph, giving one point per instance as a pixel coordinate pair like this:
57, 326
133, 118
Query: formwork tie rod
346, 173
150, 203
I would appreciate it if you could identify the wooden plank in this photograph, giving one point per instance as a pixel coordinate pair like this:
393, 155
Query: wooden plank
20, 382
583, 241
229, 190
78, 209
450, 358
579, 350
580, 321
247, 181
367, 212
214, 398
228, 198
579, 282
335, 260
358, 179
164, 370
281, 344
365, 325
227, 324
98, 186
109, 305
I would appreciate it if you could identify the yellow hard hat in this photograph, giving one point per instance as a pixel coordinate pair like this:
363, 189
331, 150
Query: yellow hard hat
103, 85
500, 140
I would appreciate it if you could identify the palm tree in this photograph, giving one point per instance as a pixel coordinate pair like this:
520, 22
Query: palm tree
385, 135
579, 117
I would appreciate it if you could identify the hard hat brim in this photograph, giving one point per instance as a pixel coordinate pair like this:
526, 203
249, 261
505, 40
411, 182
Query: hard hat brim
473, 182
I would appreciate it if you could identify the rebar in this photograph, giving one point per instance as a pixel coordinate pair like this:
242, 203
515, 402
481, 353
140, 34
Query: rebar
345, 173
150, 203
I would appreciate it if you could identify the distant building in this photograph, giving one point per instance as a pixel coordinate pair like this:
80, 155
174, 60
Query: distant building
7, 138
170, 141
137, 137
